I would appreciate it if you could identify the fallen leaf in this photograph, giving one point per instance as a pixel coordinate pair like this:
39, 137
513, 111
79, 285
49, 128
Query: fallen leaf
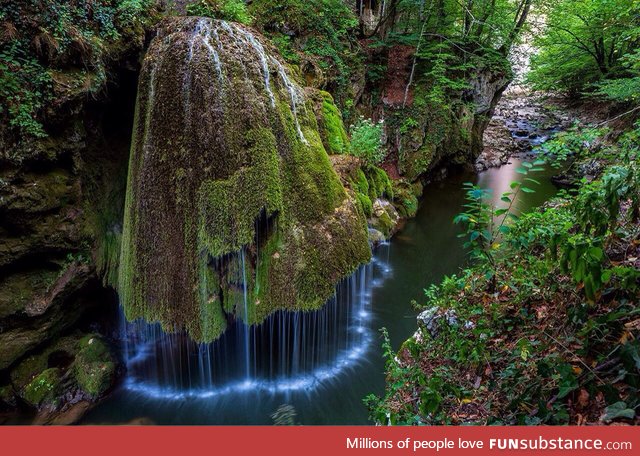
583, 398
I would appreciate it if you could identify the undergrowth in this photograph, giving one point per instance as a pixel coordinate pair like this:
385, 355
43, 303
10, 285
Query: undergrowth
543, 327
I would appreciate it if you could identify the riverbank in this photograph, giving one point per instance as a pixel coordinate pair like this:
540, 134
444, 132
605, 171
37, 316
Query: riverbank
541, 329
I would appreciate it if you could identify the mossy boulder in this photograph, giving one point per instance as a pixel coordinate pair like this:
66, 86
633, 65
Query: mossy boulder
94, 367
405, 198
233, 209
385, 218
330, 125
43, 388
76, 366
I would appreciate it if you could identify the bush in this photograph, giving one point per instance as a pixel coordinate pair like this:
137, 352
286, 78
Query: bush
71, 38
366, 141
228, 10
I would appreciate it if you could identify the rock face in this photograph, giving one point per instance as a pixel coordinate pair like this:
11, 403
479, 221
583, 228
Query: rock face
425, 133
59, 196
233, 209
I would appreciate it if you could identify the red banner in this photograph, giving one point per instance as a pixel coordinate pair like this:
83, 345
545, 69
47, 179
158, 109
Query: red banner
331, 440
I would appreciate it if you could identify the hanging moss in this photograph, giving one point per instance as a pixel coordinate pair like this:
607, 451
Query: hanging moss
405, 199
332, 131
380, 185
223, 141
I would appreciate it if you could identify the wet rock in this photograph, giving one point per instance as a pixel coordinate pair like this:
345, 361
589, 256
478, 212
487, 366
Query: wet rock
522, 121
69, 415
384, 217
430, 318
32, 314
376, 237
74, 369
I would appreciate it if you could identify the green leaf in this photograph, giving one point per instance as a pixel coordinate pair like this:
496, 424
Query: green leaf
618, 410
596, 252
528, 190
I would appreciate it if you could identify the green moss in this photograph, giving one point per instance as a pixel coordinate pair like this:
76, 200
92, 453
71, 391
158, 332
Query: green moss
383, 223
43, 388
380, 185
228, 208
405, 199
200, 186
94, 366
365, 202
334, 135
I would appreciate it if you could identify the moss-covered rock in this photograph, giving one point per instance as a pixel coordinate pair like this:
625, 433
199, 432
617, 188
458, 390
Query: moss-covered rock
385, 218
405, 199
432, 131
233, 209
330, 125
379, 184
94, 367
79, 366
44, 387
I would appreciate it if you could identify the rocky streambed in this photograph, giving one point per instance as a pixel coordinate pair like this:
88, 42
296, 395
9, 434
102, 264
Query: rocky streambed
522, 121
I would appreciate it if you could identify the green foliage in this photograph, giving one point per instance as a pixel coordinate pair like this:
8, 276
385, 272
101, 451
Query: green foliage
485, 223
575, 142
366, 141
623, 89
322, 30
228, 10
584, 43
23, 82
43, 40
549, 327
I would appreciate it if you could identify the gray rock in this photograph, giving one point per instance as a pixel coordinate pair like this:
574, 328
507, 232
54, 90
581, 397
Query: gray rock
429, 319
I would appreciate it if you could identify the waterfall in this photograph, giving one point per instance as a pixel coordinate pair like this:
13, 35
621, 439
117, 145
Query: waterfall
219, 142
234, 222
290, 351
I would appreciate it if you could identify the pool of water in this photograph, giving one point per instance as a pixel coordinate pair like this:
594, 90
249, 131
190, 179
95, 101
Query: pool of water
341, 361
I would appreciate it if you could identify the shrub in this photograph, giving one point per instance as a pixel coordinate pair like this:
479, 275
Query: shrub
228, 10
366, 141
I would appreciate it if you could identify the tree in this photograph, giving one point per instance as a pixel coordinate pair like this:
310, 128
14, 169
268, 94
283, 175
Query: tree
584, 42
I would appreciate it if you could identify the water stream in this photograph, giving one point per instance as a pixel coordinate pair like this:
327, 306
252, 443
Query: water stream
321, 363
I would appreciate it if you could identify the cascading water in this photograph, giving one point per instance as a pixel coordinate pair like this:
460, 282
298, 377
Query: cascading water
235, 221
225, 139
290, 351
